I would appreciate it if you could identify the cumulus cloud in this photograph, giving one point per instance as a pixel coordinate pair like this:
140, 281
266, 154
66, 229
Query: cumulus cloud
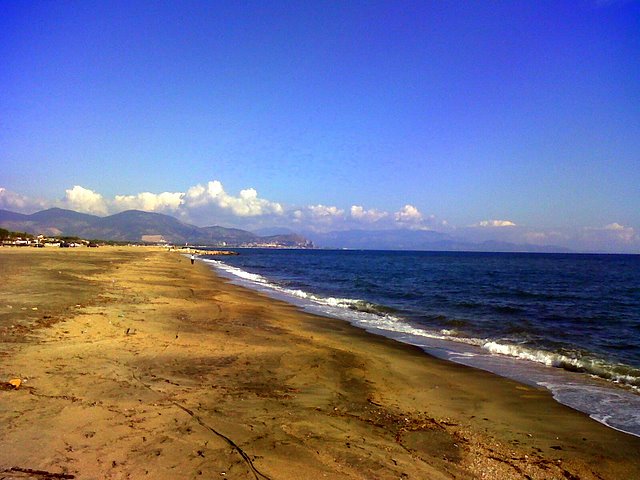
247, 204
325, 212
614, 226
620, 232
613, 237
408, 215
328, 217
358, 212
209, 204
495, 223
84, 200
318, 217
19, 203
150, 202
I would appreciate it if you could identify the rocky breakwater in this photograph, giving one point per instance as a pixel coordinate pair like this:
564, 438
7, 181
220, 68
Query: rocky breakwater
198, 251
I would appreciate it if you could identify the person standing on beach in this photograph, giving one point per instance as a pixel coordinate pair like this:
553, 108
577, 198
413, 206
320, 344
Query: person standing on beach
193, 259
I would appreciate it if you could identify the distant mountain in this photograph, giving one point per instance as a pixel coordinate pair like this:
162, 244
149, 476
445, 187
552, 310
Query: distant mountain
12, 221
59, 214
404, 239
136, 226
54, 221
401, 239
230, 235
7, 216
496, 246
237, 236
288, 240
270, 231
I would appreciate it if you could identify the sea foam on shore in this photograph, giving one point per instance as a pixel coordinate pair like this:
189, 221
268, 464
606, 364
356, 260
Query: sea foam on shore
524, 361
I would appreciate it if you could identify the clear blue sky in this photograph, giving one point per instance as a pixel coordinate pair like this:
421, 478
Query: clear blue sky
527, 111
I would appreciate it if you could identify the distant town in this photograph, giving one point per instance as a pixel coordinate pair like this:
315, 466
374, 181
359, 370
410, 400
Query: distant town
24, 239
58, 226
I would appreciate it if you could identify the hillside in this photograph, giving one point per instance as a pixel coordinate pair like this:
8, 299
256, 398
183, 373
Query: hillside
136, 226
404, 239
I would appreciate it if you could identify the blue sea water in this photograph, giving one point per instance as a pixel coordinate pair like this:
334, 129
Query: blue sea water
567, 322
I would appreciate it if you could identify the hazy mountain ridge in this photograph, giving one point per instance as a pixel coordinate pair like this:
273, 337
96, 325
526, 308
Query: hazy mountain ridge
133, 225
406, 239
136, 225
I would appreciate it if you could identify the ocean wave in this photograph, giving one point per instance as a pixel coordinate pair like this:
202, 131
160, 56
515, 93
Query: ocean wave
357, 305
360, 312
238, 272
370, 315
617, 373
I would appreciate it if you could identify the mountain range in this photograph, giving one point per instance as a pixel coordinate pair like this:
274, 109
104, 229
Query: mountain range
137, 226
407, 239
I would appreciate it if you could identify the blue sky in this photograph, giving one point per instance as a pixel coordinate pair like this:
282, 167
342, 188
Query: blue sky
488, 119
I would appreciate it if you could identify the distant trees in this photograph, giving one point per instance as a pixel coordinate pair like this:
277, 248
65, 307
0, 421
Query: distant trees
9, 235
10, 238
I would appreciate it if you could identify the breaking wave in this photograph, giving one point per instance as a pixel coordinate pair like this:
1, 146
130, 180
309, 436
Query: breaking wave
346, 303
538, 328
378, 317
617, 373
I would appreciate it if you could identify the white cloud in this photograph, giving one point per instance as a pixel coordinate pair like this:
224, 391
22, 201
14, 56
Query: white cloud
324, 212
247, 204
613, 237
372, 215
200, 195
84, 200
614, 226
620, 232
150, 202
322, 217
209, 204
408, 215
19, 203
319, 217
495, 223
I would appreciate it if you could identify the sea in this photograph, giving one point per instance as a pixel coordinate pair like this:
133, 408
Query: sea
567, 322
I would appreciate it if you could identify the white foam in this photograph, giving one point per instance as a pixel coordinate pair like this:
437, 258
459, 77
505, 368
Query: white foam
598, 368
500, 357
239, 272
549, 359
619, 410
357, 311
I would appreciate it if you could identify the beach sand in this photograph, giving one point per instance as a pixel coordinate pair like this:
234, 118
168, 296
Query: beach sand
136, 364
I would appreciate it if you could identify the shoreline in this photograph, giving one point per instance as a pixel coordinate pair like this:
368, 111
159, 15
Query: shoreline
564, 384
148, 363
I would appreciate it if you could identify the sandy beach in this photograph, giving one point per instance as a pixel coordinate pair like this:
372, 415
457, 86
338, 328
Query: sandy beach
136, 364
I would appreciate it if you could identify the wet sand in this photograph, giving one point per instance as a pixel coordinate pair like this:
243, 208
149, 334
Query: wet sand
136, 364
